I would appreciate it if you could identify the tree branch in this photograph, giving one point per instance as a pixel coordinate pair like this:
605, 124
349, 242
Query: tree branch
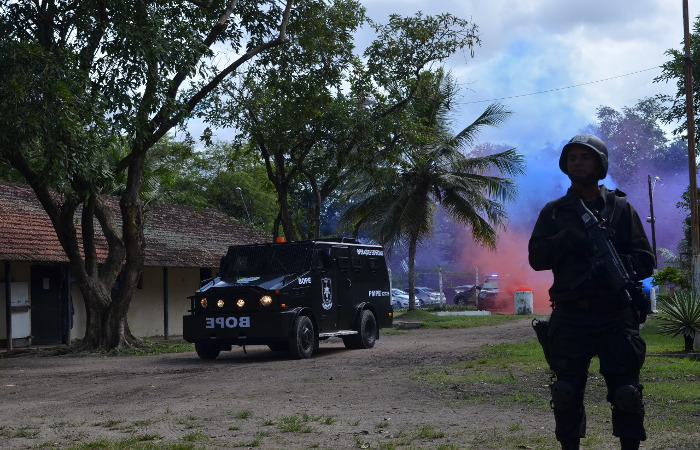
162, 122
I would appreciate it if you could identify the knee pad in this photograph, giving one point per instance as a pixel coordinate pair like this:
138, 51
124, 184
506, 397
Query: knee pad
564, 396
628, 398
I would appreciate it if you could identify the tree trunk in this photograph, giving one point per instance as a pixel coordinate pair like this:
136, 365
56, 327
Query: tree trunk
106, 325
688, 343
285, 218
412, 244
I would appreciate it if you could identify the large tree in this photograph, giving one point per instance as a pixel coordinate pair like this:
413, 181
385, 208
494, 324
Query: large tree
324, 114
398, 204
637, 142
83, 81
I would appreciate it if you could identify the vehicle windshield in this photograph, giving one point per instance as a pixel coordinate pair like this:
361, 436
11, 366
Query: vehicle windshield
266, 259
490, 283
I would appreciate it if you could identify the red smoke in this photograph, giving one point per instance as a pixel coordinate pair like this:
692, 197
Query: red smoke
509, 261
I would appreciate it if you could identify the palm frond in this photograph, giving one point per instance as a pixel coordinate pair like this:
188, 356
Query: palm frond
493, 116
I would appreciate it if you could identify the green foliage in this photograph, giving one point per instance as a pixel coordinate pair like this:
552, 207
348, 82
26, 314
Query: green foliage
228, 178
680, 316
674, 70
670, 275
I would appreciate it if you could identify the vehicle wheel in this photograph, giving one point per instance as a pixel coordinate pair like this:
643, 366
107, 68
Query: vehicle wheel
460, 300
367, 332
207, 351
421, 304
279, 347
304, 340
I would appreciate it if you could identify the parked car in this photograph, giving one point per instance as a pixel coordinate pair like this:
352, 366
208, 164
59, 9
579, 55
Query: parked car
427, 297
399, 298
465, 295
490, 293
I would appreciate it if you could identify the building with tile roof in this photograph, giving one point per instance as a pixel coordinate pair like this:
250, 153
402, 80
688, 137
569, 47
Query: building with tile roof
183, 245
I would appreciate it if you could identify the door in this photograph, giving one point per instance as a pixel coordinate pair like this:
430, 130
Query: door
46, 305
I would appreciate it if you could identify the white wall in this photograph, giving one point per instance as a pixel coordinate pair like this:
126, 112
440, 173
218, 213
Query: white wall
146, 312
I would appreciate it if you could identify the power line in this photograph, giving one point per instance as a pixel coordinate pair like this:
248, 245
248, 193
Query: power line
562, 88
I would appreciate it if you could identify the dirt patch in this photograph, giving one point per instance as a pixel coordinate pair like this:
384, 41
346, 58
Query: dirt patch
337, 399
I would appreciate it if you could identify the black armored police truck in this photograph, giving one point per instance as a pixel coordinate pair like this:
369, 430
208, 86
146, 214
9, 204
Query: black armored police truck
290, 295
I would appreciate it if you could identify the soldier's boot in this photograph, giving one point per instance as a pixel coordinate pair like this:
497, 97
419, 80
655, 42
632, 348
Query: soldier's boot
570, 445
629, 444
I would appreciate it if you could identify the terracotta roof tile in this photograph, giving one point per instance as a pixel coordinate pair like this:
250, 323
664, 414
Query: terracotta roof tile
176, 236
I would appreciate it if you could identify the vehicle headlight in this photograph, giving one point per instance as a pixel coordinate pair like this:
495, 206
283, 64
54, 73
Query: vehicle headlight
240, 303
220, 303
203, 302
266, 300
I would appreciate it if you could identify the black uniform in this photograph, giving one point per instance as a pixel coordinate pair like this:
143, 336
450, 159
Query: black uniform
588, 317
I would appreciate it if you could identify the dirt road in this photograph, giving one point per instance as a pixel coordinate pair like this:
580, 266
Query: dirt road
336, 399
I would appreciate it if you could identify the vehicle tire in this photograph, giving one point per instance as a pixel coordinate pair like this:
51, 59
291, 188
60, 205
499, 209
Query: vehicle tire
207, 351
421, 303
303, 339
367, 332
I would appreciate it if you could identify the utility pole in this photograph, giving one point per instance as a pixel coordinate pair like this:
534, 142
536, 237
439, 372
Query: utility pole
652, 219
692, 166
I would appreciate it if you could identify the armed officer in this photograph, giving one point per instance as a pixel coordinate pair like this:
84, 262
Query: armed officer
589, 317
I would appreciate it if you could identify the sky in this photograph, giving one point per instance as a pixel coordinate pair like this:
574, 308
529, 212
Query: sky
546, 45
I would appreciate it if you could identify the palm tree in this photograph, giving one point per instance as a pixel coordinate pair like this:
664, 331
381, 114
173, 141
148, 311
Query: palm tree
398, 204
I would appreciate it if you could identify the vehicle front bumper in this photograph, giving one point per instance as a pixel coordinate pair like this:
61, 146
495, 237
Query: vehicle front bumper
255, 328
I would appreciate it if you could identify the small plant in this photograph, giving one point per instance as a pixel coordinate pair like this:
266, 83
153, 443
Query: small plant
195, 437
428, 432
295, 424
25, 432
680, 316
243, 414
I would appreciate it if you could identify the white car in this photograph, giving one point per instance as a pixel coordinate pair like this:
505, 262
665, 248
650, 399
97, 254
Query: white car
399, 298
426, 297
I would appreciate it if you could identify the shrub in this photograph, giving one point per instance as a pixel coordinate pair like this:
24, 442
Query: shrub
680, 316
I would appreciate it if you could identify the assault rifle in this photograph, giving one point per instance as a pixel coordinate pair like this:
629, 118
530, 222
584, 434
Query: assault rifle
606, 259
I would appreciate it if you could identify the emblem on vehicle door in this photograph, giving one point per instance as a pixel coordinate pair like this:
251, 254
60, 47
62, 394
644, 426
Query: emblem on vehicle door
326, 293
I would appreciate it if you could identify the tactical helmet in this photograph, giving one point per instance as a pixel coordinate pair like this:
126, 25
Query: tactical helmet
589, 141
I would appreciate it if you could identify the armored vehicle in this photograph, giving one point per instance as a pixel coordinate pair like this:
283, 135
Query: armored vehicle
289, 296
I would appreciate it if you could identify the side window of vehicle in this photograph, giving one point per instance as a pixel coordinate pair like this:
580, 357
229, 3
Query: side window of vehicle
356, 263
316, 260
373, 265
343, 263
